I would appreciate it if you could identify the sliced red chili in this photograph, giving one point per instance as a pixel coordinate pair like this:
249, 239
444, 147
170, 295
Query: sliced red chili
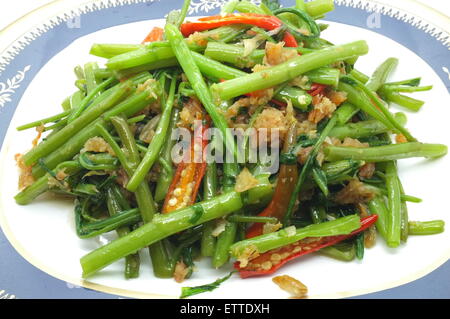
316, 89
289, 40
155, 35
287, 179
189, 174
278, 103
271, 261
263, 21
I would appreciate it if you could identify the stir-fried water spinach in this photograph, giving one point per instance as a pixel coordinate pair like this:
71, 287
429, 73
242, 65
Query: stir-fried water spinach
329, 183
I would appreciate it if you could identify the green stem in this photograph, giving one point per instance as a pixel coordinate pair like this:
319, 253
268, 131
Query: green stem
379, 105
426, 228
248, 7
400, 99
229, 7
69, 149
251, 219
345, 112
210, 189
378, 206
228, 236
50, 119
124, 218
195, 77
381, 74
361, 101
85, 102
160, 227
41, 185
364, 128
361, 77
132, 262
163, 261
143, 194
106, 50
359, 246
183, 13
287, 71
263, 243
339, 254
385, 152
318, 8
224, 241
404, 230
89, 76
394, 201
167, 173
156, 144
306, 169
160, 51
56, 140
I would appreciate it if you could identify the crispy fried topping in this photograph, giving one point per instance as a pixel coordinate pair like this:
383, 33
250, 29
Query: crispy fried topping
367, 170
97, 144
337, 97
181, 271
245, 181
271, 119
291, 285
26, 177
192, 110
353, 193
277, 54
323, 107
250, 252
270, 227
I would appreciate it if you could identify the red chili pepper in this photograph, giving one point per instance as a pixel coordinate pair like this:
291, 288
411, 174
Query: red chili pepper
287, 179
316, 89
278, 103
293, 251
263, 21
289, 40
155, 35
189, 174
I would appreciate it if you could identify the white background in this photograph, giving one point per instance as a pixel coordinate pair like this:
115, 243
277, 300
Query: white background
17, 8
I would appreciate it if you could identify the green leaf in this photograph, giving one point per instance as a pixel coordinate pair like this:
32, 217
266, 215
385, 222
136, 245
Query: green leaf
271, 4
198, 213
86, 189
173, 17
190, 291
360, 246
288, 159
348, 80
321, 180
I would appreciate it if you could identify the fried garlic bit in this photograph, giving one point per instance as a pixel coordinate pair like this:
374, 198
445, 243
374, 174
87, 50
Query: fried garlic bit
26, 177
245, 181
181, 271
293, 286
355, 192
97, 144
250, 252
